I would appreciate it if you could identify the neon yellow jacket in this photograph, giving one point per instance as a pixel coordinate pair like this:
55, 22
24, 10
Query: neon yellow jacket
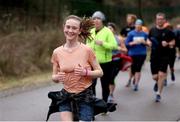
103, 52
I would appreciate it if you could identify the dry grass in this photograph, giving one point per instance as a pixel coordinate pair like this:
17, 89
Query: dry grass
25, 57
23, 53
32, 80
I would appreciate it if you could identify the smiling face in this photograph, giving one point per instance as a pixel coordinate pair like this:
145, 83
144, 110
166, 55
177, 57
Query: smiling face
72, 29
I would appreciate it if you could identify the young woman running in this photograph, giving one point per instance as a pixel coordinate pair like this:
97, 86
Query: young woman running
74, 65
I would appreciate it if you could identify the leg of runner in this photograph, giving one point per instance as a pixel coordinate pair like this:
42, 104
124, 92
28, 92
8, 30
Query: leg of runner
115, 71
131, 76
137, 79
111, 97
155, 78
161, 78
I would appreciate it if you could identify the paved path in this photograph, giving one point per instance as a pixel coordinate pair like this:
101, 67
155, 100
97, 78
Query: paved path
139, 106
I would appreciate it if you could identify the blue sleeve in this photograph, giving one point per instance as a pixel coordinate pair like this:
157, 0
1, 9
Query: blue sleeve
128, 39
145, 36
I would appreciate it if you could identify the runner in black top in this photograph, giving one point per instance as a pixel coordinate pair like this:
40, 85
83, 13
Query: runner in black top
130, 19
126, 30
162, 40
172, 56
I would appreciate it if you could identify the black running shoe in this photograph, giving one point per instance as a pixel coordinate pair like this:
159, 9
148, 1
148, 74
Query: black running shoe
155, 87
172, 76
136, 87
158, 98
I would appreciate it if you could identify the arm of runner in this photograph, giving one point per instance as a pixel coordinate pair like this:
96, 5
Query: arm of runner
172, 43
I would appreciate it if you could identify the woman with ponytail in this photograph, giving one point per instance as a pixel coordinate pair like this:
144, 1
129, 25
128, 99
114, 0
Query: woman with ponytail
74, 65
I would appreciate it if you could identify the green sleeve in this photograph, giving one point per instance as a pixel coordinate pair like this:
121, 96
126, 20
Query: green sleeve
111, 42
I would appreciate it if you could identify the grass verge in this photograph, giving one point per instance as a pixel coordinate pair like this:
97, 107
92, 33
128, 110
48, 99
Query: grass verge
33, 80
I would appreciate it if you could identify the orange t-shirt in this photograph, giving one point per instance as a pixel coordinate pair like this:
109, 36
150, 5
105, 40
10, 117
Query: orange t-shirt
67, 61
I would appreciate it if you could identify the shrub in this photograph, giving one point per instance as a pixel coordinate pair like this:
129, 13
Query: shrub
27, 52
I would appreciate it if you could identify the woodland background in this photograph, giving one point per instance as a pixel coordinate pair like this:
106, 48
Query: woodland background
31, 29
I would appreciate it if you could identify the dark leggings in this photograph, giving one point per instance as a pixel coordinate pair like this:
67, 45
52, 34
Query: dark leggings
138, 61
172, 58
116, 66
105, 80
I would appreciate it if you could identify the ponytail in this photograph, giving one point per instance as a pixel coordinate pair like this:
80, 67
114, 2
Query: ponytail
85, 26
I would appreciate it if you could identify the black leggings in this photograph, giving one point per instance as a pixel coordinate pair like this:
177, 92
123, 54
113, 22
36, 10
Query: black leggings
138, 61
105, 80
172, 58
116, 66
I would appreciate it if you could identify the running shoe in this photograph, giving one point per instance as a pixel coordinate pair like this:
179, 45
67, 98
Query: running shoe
110, 99
172, 76
135, 87
104, 114
155, 87
129, 83
165, 82
158, 98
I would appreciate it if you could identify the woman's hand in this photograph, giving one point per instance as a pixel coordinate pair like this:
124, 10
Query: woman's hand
60, 77
142, 41
99, 42
148, 43
132, 43
80, 71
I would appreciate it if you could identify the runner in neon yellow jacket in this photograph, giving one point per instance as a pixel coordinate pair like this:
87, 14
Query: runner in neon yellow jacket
103, 42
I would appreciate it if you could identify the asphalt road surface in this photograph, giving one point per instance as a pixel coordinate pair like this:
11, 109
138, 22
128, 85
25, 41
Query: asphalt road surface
32, 105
